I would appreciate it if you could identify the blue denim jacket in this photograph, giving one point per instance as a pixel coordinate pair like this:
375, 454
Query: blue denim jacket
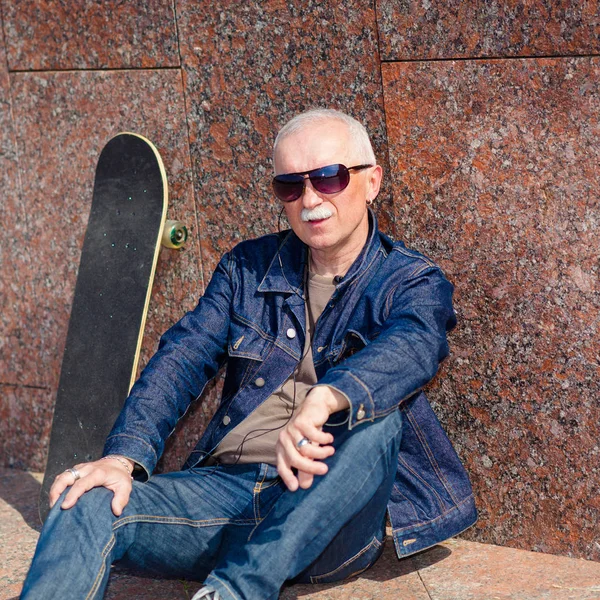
379, 341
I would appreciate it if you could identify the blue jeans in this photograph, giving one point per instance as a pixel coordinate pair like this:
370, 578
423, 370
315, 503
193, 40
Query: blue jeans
236, 527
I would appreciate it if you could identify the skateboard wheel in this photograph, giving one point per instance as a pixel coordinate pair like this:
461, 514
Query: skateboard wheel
175, 234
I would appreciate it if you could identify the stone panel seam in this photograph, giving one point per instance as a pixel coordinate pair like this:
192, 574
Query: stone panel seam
25, 386
176, 21
485, 58
94, 70
17, 155
424, 585
193, 171
388, 166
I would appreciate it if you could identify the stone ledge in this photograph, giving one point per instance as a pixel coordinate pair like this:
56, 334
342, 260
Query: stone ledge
455, 570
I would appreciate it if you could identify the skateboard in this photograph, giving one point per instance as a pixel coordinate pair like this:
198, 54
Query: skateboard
126, 225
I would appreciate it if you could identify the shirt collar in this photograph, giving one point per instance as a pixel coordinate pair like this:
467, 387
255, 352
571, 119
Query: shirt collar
287, 268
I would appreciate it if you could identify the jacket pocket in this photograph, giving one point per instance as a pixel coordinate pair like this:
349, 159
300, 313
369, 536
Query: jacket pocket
353, 342
247, 348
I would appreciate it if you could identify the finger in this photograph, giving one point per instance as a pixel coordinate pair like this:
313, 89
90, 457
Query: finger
288, 477
295, 459
308, 430
80, 487
316, 452
305, 480
61, 483
284, 470
315, 467
120, 500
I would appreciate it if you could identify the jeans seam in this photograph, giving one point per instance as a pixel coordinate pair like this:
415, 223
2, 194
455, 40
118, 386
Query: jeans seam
224, 584
164, 520
105, 551
381, 456
373, 542
256, 494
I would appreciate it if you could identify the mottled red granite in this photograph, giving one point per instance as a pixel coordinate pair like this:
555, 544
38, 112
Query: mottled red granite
249, 67
495, 166
462, 570
62, 122
25, 420
87, 34
13, 245
433, 29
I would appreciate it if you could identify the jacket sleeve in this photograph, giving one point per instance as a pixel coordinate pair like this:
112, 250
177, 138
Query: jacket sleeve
189, 354
406, 354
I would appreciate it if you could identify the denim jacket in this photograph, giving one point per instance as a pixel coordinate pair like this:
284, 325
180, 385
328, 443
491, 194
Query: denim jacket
379, 341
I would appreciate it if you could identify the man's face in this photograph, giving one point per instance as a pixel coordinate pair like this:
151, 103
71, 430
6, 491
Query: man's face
318, 145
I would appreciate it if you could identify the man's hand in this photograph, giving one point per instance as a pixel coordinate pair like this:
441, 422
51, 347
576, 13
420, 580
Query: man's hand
110, 474
307, 422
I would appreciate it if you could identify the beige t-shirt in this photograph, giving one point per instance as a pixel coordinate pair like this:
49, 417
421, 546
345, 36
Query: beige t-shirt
254, 439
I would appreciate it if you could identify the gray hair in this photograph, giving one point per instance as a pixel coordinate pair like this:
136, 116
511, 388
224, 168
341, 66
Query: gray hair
356, 130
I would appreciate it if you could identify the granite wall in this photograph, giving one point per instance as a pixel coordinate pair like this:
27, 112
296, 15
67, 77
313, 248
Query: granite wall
489, 112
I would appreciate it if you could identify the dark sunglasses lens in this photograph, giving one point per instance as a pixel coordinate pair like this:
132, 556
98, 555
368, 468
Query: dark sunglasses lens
331, 179
288, 187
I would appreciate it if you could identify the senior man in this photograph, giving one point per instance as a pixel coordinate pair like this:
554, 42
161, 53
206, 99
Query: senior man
329, 331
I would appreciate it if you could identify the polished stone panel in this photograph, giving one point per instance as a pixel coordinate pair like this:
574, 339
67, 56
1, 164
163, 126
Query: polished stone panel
87, 34
462, 570
434, 29
13, 242
249, 68
62, 122
25, 421
495, 166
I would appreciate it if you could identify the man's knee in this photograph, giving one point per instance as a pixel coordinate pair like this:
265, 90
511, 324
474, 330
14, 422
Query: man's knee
91, 505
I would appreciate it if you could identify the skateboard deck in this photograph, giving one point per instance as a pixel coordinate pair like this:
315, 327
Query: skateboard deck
116, 271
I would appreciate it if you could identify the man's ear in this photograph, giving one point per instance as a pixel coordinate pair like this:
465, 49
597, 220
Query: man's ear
374, 182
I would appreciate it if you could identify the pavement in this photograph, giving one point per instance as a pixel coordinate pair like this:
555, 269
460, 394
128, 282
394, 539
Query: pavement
455, 570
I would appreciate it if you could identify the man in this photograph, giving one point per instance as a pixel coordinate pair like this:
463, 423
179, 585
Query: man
329, 332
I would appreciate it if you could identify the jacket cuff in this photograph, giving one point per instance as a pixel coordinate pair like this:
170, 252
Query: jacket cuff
134, 448
362, 407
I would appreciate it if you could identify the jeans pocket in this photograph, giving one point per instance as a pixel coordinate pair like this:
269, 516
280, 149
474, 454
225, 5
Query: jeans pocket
267, 490
354, 565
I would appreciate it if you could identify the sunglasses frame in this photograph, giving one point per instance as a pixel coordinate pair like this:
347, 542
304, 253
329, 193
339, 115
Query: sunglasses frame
316, 179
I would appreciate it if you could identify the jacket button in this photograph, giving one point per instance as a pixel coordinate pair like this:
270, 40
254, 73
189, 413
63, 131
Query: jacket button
291, 333
226, 420
259, 382
360, 413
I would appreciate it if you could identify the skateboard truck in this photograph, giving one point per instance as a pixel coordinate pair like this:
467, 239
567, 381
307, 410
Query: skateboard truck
175, 234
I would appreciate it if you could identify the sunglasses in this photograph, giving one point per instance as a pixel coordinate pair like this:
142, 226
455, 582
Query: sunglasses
327, 180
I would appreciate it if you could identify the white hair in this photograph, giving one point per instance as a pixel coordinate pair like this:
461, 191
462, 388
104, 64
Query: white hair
356, 130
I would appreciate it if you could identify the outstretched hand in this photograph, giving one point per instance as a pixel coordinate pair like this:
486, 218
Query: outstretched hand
308, 423
110, 474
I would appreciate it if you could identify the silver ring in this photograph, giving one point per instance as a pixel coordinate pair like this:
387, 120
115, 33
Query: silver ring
76, 474
302, 442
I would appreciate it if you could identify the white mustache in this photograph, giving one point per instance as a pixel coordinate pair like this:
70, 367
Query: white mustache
316, 214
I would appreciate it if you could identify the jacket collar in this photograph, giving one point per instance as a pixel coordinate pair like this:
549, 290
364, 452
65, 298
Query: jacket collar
286, 273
